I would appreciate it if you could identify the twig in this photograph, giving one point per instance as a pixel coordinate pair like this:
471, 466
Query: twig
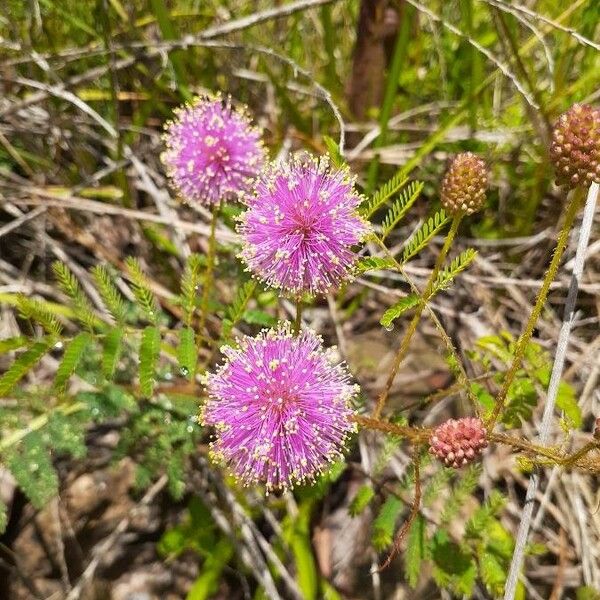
559, 359
259, 17
110, 541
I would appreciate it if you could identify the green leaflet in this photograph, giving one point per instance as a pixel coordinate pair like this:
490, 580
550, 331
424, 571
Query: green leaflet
459, 264
36, 310
207, 582
463, 488
424, 234
334, 151
400, 207
236, 309
454, 568
70, 286
66, 433
392, 313
415, 550
149, 351
385, 523
186, 352
190, 283
13, 343
141, 290
113, 344
361, 500
374, 263
386, 191
71, 357
112, 298
23, 364
32, 468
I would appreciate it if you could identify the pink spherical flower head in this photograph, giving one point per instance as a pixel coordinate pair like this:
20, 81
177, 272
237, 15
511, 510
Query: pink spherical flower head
457, 442
300, 226
213, 152
280, 407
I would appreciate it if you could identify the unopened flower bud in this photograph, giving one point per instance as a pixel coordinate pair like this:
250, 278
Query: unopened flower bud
465, 184
575, 148
457, 442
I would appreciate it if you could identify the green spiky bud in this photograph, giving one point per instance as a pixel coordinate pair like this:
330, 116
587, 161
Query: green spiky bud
575, 148
464, 185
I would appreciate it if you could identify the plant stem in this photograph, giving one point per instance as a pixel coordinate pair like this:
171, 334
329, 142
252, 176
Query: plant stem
415, 435
557, 368
208, 278
561, 244
298, 319
412, 327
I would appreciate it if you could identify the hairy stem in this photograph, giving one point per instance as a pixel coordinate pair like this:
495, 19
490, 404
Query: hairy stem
208, 278
416, 435
412, 327
561, 244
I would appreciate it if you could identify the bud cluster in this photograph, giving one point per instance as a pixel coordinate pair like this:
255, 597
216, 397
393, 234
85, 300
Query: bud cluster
575, 148
464, 185
457, 442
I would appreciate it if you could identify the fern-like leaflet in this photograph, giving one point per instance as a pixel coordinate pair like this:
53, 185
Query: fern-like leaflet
381, 196
235, 311
112, 298
374, 263
71, 357
392, 313
141, 290
432, 226
459, 264
190, 282
400, 207
23, 364
35, 310
149, 352
70, 286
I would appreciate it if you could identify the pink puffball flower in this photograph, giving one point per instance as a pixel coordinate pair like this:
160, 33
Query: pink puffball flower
213, 153
300, 226
281, 408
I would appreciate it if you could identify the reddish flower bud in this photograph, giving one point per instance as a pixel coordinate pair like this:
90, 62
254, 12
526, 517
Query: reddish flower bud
575, 148
457, 442
465, 184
